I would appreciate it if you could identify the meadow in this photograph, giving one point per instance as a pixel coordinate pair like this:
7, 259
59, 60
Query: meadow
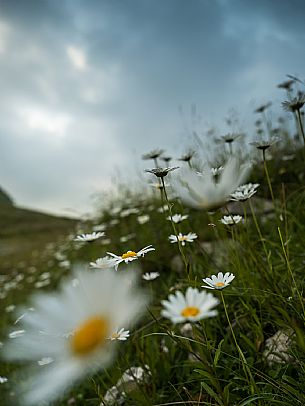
236, 338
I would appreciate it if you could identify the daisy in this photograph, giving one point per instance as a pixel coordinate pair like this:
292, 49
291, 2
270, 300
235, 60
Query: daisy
204, 192
187, 157
229, 138
218, 282
262, 108
89, 237
265, 144
129, 256
121, 335
177, 218
72, 327
190, 237
150, 276
192, 307
231, 220
143, 219
103, 263
161, 172
244, 192
153, 154
295, 104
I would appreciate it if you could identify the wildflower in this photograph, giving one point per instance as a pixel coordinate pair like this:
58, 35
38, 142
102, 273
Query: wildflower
218, 282
150, 276
177, 218
203, 192
103, 263
286, 85
262, 108
120, 335
166, 159
153, 154
295, 104
161, 172
190, 237
127, 237
129, 255
3, 379
89, 237
192, 307
187, 157
72, 327
143, 219
244, 192
231, 220
229, 138
265, 144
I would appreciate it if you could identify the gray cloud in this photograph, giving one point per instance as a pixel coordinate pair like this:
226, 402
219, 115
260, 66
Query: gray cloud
88, 86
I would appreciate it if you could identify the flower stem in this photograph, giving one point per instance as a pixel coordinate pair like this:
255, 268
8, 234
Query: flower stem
186, 264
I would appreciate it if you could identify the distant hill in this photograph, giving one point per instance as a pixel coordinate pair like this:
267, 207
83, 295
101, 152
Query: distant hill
24, 231
5, 198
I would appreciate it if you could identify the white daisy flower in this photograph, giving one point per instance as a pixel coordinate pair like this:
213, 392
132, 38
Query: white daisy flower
103, 263
218, 282
150, 276
244, 192
3, 379
143, 219
206, 191
121, 335
192, 307
231, 220
177, 218
72, 327
89, 237
190, 237
129, 255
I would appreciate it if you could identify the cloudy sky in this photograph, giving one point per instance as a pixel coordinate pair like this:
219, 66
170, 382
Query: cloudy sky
89, 86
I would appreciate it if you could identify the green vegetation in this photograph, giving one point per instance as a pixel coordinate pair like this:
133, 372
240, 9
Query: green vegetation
251, 353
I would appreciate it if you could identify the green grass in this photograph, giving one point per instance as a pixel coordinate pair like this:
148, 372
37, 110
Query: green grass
266, 254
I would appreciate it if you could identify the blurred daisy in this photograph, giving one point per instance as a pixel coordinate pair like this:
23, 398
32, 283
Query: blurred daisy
190, 237
153, 154
231, 220
244, 192
150, 276
161, 172
129, 256
89, 237
286, 85
143, 219
177, 218
262, 108
229, 138
216, 171
72, 327
120, 335
192, 307
203, 191
265, 144
218, 282
187, 157
3, 379
103, 263
295, 104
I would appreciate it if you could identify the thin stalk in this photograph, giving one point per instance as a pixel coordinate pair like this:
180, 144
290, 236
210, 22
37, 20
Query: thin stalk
290, 271
301, 124
268, 178
186, 264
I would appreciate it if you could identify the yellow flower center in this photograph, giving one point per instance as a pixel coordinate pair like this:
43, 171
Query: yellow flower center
92, 333
115, 335
129, 254
219, 284
182, 238
190, 311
